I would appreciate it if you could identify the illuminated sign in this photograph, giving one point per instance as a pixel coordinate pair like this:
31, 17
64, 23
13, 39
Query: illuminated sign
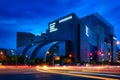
52, 27
65, 19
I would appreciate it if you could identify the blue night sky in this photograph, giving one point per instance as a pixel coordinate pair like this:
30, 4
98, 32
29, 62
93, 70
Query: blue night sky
34, 15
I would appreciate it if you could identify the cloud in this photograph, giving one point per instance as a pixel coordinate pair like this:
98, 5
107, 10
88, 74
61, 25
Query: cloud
34, 15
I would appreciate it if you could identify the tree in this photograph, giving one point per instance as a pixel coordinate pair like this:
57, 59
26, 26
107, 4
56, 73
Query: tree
20, 59
118, 57
3, 57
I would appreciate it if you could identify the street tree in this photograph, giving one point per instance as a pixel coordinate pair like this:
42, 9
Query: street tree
118, 57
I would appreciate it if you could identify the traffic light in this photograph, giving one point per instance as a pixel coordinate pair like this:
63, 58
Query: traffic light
90, 54
99, 53
70, 55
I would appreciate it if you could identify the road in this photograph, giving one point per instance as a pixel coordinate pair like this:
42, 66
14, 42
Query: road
97, 73
30, 73
39, 76
33, 73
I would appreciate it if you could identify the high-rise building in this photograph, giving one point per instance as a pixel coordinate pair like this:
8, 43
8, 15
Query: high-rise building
24, 38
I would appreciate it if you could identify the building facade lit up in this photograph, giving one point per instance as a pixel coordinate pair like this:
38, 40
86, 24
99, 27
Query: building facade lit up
90, 38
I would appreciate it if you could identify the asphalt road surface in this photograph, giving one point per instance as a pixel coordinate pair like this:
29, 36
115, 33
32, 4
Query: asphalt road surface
56, 73
38, 76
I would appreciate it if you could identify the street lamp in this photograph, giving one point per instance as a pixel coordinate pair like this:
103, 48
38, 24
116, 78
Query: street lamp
70, 55
117, 42
1, 53
47, 52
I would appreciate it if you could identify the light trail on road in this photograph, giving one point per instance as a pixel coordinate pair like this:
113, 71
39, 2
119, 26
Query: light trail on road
97, 74
79, 72
76, 75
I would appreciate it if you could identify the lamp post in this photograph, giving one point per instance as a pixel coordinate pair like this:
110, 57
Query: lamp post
1, 54
118, 55
117, 45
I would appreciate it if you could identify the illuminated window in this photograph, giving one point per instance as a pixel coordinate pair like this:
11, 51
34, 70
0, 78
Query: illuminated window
87, 34
65, 19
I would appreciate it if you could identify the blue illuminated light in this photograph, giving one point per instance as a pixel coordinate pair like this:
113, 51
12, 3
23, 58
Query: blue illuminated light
87, 31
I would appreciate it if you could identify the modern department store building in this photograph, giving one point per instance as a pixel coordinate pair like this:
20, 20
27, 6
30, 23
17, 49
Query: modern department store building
88, 38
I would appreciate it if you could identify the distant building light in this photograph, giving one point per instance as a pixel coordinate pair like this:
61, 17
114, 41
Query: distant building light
102, 54
12, 51
109, 53
114, 38
65, 19
109, 61
91, 58
26, 56
52, 27
57, 58
103, 59
87, 34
